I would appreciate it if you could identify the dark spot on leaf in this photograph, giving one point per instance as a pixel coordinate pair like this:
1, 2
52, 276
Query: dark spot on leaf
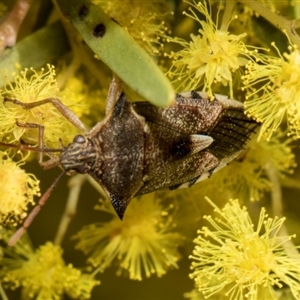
83, 12
99, 30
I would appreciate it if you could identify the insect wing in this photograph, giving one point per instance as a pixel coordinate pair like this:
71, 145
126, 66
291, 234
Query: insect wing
173, 156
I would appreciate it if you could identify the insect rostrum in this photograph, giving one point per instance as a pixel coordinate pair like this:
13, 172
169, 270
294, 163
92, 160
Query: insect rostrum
139, 148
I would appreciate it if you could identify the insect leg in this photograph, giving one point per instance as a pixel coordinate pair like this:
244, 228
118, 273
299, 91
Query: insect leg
53, 161
114, 92
63, 109
34, 212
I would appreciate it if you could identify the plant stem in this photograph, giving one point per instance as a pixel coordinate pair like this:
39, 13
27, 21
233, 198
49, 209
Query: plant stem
276, 194
75, 184
229, 5
281, 23
2, 293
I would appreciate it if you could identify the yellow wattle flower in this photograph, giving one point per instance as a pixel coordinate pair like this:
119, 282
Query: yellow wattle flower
17, 190
210, 57
242, 261
144, 242
273, 92
31, 86
42, 273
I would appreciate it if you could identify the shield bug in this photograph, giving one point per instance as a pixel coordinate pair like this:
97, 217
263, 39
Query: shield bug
139, 148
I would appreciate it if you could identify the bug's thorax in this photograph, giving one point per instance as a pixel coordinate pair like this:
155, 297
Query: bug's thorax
79, 156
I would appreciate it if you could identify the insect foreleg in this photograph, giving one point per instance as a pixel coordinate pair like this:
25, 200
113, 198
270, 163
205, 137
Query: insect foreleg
63, 109
53, 161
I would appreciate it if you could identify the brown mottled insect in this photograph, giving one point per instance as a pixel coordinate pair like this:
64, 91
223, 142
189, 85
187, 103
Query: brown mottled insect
139, 148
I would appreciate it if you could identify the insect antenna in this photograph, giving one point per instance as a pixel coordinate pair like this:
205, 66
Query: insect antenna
48, 164
30, 148
34, 212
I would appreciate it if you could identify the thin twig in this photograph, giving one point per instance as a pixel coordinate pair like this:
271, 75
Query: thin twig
2, 293
75, 184
277, 207
10, 27
278, 21
96, 186
227, 15
296, 9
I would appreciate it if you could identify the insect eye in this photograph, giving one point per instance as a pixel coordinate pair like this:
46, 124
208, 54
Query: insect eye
80, 139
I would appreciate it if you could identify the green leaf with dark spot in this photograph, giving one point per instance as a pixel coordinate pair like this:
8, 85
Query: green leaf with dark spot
115, 47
